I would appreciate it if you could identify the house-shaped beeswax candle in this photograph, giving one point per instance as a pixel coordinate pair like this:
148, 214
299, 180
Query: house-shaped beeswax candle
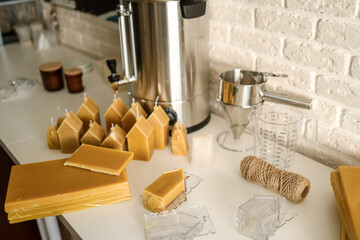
94, 135
89, 110
179, 142
160, 122
141, 139
70, 132
130, 117
52, 138
116, 139
115, 113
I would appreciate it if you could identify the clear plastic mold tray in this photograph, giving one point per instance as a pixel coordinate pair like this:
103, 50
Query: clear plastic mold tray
179, 224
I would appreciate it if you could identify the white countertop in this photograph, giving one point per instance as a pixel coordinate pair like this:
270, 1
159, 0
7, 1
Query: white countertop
24, 122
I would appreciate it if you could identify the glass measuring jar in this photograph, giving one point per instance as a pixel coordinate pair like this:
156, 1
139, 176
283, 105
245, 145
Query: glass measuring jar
276, 131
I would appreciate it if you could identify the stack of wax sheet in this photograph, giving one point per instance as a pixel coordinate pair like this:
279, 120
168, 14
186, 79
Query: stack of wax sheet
49, 188
346, 185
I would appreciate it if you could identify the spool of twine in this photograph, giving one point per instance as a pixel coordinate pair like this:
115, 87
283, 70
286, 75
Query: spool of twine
291, 185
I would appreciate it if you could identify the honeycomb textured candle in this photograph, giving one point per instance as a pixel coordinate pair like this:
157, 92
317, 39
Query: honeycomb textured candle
164, 190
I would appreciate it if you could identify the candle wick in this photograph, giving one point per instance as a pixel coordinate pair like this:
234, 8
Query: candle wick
112, 125
84, 94
137, 111
52, 121
114, 96
66, 111
133, 100
156, 101
177, 126
90, 121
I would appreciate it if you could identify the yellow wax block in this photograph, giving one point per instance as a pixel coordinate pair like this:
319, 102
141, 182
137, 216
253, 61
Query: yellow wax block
164, 190
100, 159
340, 200
15, 219
179, 142
160, 122
70, 132
46, 183
130, 117
116, 139
141, 140
178, 126
115, 113
350, 185
89, 110
94, 135
52, 138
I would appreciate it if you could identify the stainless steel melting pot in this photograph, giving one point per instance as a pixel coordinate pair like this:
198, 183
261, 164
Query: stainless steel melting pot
164, 46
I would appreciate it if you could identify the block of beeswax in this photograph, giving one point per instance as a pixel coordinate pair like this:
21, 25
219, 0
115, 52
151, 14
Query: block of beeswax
350, 186
94, 135
178, 126
131, 115
88, 110
70, 132
115, 113
338, 193
46, 183
164, 190
116, 139
160, 122
140, 139
179, 142
52, 138
100, 159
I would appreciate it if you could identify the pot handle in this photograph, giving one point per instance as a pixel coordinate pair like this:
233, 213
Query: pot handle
284, 99
126, 32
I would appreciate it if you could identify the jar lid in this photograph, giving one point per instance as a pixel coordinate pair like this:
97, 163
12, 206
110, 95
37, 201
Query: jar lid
50, 66
73, 71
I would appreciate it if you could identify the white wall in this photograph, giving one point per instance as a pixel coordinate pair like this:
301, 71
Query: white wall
315, 42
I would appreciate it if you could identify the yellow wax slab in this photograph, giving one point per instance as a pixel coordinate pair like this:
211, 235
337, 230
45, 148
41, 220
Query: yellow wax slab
89, 110
340, 200
64, 211
129, 120
350, 185
52, 138
38, 184
141, 140
116, 139
94, 135
164, 190
179, 142
100, 159
69, 205
160, 122
121, 192
70, 132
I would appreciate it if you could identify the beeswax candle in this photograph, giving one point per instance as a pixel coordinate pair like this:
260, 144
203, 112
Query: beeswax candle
141, 139
131, 115
160, 122
70, 132
52, 137
116, 139
89, 110
115, 113
94, 135
179, 141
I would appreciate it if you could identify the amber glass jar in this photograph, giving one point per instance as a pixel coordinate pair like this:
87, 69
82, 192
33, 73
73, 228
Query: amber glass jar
73, 78
52, 76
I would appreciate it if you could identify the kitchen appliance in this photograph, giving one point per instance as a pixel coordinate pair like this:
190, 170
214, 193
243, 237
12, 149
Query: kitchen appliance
164, 46
240, 91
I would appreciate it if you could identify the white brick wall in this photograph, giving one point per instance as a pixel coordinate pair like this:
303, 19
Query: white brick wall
315, 42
